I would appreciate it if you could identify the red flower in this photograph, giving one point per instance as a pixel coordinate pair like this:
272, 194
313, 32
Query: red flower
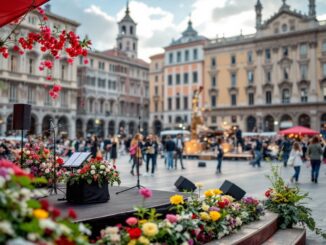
56, 88
194, 216
268, 193
44, 204
134, 233
99, 158
56, 213
72, 214
221, 204
70, 60
17, 170
49, 78
64, 241
60, 161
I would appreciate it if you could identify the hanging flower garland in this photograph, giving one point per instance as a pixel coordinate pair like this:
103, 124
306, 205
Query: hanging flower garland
54, 42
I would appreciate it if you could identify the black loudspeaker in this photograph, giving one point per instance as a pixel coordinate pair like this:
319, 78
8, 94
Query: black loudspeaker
202, 164
183, 184
22, 117
233, 190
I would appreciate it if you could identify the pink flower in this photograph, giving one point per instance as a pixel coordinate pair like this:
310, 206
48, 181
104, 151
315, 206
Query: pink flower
172, 218
146, 193
132, 221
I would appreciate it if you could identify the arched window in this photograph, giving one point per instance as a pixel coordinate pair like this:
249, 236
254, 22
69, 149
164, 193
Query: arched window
123, 30
251, 124
284, 27
131, 29
269, 124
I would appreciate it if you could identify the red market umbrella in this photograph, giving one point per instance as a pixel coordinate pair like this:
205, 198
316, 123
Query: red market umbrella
299, 130
13, 9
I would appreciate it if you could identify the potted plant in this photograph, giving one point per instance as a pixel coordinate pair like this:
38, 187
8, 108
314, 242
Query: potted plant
90, 183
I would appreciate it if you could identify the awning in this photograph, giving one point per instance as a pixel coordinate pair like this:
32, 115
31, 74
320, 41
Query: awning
299, 130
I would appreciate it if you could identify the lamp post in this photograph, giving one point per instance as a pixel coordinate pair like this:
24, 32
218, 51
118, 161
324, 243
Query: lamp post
97, 127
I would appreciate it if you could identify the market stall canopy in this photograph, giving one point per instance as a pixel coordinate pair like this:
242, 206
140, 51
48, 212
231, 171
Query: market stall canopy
299, 130
10, 10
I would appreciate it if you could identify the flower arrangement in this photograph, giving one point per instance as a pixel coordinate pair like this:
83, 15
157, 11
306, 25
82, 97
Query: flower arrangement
194, 221
39, 161
25, 220
96, 170
288, 203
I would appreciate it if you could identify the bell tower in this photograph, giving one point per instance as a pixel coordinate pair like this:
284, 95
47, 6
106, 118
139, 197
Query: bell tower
258, 9
127, 40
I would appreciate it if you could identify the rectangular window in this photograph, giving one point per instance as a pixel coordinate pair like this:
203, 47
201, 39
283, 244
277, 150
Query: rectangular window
233, 99
12, 92
213, 62
156, 79
286, 96
195, 54
213, 101
213, 82
185, 102
269, 76
101, 83
285, 51
187, 55
48, 99
194, 77
31, 95
185, 119
267, 55
250, 57
63, 72
233, 59
233, 80
14, 63
251, 99
81, 60
185, 78
31, 66
156, 90
101, 65
213, 119
177, 103
304, 71
178, 57
303, 50
170, 80
156, 106
92, 63
169, 103
171, 58
250, 77
177, 79
286, 73
63, 99
268, 97
304, 95
170, 119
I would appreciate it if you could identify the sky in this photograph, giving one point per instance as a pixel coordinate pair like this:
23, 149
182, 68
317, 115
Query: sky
159, 21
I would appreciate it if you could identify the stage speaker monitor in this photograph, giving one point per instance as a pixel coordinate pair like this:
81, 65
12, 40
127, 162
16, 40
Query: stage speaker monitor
22, 117
183, 184
233, 190
202, 164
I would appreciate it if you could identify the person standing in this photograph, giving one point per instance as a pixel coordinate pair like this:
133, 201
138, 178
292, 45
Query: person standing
151, 147
94, 146
107, 148
114, 150
169, 147
136, 152
286, 149
258, 153
220, 154
315, 152
179, 145
296, 156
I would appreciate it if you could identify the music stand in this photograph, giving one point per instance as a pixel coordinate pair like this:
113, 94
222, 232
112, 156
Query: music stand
76, 160
138, 185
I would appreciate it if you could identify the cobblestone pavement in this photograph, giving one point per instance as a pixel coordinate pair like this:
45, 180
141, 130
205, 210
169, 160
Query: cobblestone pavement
252, 180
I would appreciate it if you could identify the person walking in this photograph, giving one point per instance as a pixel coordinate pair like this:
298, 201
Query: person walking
295, 157
114, 150
136, 152
258, 153
179, 145
315, 153
220, 154
107, 148
169, 147
151, 147
286, 149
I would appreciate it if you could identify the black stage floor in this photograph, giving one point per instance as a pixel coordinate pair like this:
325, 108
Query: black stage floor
117, 209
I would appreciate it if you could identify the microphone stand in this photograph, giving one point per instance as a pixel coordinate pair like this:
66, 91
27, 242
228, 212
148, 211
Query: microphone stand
138, 185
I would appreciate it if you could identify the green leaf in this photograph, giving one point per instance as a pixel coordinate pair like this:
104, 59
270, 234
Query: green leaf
33, 204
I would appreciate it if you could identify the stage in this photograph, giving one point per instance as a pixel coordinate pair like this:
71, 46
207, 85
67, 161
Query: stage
117, 209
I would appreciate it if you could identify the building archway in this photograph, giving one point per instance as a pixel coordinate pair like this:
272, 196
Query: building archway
63, 126
131, 128
46, 125
269, 124
122, 128
286, 122
251, 124
111, 128
32, 129
304, 120
145, 129
79, 128
100, 128
157, 126
90, 127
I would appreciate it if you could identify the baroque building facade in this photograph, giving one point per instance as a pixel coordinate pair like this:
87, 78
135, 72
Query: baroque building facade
271, 80
22, 82
174, 77
114, 88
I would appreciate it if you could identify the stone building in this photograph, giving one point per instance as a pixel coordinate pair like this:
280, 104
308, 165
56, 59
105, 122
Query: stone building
273, 79
22, 82
174, 77
114, 88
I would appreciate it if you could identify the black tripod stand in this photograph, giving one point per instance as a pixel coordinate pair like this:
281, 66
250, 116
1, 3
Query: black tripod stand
138, 159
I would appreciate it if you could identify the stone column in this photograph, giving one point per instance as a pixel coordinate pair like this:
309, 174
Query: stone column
260, 77
313, 72
295, 75
72, 128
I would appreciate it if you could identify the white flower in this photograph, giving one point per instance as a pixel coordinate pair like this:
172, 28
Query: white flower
93, 171
32, 236
19, 241
84, 229
93, 167
6, 228
28, 152
111, 230
101, 172
47, 224
2, 182
102, 166
47, 171
115, 237
205, 207
178, 228
238, 221
64, 229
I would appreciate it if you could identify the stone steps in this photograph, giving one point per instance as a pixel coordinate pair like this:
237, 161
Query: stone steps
295, 236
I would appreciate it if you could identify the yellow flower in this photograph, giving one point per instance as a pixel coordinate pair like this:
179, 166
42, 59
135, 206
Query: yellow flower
142, 221
132, 242
205, 216
209, 193
214, 215
199, 185
150, 229
40, 213
176, 199
143, 240
217, 191
204, 207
